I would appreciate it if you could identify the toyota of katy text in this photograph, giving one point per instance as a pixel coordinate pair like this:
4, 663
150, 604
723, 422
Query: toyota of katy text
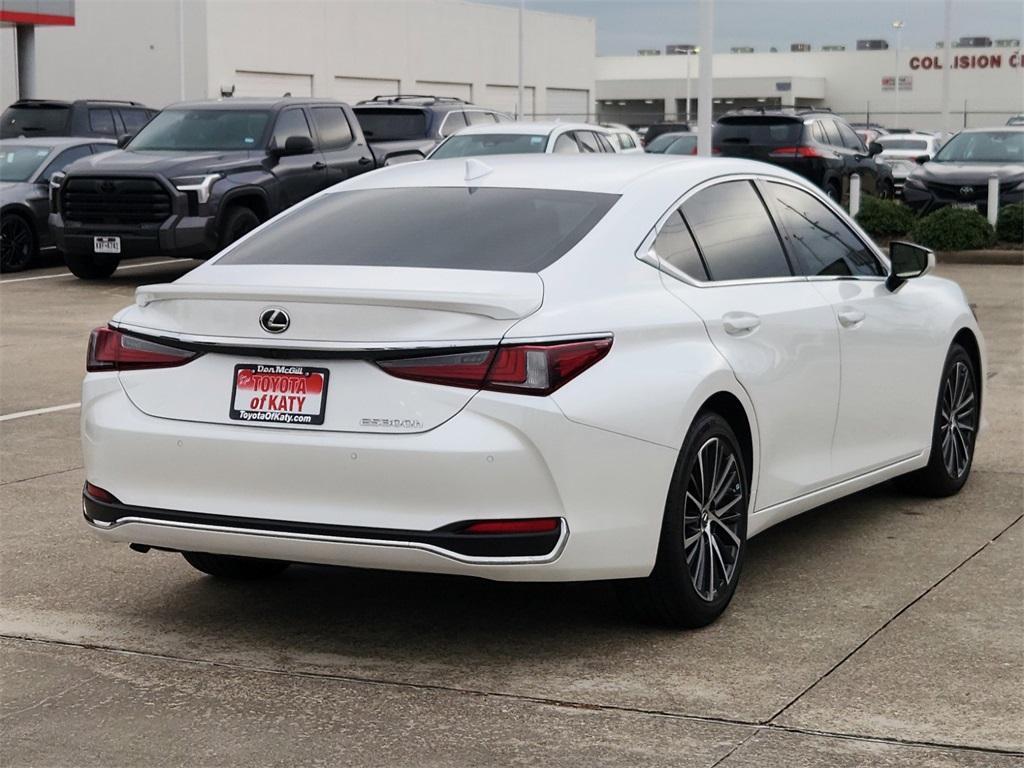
530, 369
199, 176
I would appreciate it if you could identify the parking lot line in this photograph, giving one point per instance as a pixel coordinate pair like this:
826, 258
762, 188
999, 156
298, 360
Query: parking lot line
38, 411
68, 274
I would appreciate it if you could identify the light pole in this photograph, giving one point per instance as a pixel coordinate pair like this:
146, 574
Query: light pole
898, 26
519, 91
689, 52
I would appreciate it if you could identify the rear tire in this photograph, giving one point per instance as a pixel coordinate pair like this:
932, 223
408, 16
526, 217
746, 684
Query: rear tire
834, 192
886, 191
703, 533
238, 221
92, 266
233, 567
19, 245
954, 430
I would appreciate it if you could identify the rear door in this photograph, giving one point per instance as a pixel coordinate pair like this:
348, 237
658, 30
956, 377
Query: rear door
726, 262
344, 158
299, 175
856, 157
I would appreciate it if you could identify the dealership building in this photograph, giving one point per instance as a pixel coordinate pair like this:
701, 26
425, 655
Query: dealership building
162, 51
986, 84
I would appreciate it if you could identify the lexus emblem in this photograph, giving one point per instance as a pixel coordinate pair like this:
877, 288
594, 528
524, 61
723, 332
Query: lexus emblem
274, 320
966, 191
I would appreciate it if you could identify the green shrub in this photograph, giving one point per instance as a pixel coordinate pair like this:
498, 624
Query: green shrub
953, 229
884, 218
1010, 226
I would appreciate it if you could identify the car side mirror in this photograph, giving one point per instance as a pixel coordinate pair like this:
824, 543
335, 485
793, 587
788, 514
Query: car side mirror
874, 148
922, 159
123, 139
907, 261
294, 145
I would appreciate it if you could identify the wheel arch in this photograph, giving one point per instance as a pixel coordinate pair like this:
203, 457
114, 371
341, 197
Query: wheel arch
966, 338
249, 197
17, 209
727, 405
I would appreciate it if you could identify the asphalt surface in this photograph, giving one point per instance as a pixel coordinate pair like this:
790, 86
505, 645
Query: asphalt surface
881, 630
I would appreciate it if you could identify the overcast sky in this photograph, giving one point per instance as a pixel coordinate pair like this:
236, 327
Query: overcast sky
623, 26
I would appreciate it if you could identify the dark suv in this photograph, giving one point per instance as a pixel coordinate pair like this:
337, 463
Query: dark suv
407, 127
819, 146
33, 118
199, 176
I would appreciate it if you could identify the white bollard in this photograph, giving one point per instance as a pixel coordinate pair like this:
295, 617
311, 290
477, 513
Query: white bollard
993, 199
854, 194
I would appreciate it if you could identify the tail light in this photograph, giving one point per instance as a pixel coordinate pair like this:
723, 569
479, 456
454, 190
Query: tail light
528, 525
100, 494
526, 369
714, 151
801, 151
111, 350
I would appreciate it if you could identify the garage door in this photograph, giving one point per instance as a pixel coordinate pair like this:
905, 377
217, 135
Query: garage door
504, 97
272, 84
356, 89
568, 103
462, 91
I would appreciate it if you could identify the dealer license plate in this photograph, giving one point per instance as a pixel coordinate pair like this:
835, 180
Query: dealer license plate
279, 394
106, 245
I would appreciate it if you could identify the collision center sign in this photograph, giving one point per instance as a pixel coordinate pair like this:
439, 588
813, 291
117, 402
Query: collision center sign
971, 61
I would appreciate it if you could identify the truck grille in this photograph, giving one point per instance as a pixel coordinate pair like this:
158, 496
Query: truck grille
965, 192
114, 201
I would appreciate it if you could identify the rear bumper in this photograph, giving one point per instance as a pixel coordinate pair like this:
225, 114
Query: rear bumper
385, 501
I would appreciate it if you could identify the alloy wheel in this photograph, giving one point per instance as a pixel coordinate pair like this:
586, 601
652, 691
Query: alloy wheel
712, 513
958, 420
16, 244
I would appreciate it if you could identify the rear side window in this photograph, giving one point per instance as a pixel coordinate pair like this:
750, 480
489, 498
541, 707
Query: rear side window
34, 121
480, 118
391, 124
832, 137
134, 119
102, 121
626, 141
734, 233
674, 246
606, 146
819, 241
566, 145
453, 123
850, 139
491, 229
758, 130
291, 122
587, 141
333, 127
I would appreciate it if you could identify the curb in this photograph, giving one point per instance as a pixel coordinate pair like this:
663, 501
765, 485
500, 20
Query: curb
1013, 257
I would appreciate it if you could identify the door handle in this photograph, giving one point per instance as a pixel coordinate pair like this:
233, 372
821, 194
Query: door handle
365, 161
319, 166
740, 323
848, 318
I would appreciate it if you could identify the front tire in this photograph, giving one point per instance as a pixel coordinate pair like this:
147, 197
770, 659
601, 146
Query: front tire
703, 534
954, 431
18, 243
237, 222
233, 567
93, 266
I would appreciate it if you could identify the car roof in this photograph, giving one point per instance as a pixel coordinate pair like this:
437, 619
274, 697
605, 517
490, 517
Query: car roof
546, 127
57, 142
995, 129
251, 102
899, 136
599, 172
62, 103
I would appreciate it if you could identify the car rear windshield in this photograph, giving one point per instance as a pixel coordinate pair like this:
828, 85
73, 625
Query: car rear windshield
19, 163
491, 229
220, 130
758, 130
983, 147
661, 143
42, 120
902, 143
389, 124
491, 144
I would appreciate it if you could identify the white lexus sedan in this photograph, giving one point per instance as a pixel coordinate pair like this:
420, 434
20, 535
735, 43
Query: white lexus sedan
527, 139
529, 368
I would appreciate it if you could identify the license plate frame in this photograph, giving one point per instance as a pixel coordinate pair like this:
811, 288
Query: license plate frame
280, 386
106, 244
966, 206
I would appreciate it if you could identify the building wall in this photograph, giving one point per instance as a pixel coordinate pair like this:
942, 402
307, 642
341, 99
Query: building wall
849, 82
351, 49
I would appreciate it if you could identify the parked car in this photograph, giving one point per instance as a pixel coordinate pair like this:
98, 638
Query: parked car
526, 138
819, 146
655, 130
199, 176
26, 166
1016, 120
413, 125
673, 144
624, 138
567, 368
958, 173
34, 118
901, 152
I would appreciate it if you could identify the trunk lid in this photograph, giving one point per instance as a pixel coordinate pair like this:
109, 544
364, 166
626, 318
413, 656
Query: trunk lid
341, 318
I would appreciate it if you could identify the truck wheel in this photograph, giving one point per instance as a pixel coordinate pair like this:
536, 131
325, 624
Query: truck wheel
93, 266
18, 246
237, 222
